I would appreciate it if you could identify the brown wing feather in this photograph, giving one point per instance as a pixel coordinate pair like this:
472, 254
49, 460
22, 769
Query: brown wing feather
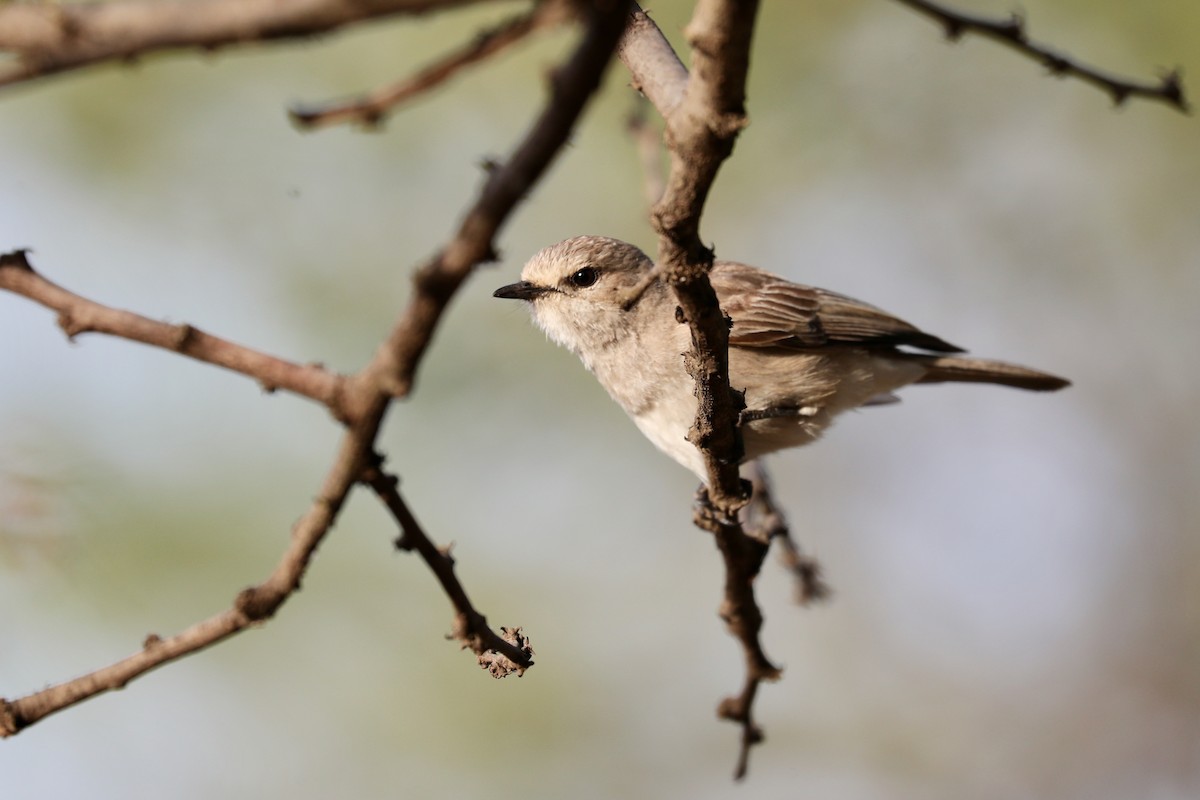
769, 311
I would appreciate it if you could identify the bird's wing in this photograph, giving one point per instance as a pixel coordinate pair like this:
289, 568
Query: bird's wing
769, 311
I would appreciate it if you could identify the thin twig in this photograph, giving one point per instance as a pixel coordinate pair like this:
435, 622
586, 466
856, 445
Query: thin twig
764, 520
78, 315
1011, 32
47, 38
371, 109
648, 141
252, 606
743, 558
470, 626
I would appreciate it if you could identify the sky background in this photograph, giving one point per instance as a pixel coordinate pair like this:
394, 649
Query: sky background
1017, 576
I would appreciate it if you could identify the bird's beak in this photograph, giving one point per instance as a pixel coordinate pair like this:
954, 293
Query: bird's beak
522, 290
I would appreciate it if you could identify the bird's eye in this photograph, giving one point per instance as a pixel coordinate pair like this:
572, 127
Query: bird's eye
583, 278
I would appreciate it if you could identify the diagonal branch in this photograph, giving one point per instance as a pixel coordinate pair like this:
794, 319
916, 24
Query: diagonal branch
370, 109
1011, 32
372, 391
470, 626
648, 142
78, 315
434, 283
252, 606
763, 520
48, 38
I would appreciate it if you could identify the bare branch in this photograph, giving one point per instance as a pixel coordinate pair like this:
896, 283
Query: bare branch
78, 315
656, 70
703, 119
1011, 32
701, 130
371, 109
743, 556
648, 142
371, 391
571, 86
763, 520
470, 626
254, 605
47, 38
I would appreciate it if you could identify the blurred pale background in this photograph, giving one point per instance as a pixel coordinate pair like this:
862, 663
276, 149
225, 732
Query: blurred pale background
1017, 608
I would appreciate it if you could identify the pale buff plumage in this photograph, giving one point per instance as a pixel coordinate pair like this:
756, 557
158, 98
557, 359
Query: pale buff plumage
801, 355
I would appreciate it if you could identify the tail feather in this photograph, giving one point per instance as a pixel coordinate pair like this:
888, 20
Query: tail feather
957, 369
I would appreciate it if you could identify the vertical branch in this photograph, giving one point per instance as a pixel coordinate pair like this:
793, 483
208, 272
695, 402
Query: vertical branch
704, 113
701, 131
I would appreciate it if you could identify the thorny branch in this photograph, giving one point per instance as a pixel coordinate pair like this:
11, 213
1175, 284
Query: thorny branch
1011, 32
371, 392
370, 109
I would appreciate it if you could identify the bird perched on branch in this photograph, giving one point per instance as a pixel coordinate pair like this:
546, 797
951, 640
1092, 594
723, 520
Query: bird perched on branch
799, 355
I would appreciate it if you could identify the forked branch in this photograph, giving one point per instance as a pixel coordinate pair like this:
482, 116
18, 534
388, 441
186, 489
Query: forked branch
47, 38
371, 392
704, 112
371, 109
1011, 32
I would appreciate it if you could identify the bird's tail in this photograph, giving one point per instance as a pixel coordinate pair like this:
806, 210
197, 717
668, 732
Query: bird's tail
942, 369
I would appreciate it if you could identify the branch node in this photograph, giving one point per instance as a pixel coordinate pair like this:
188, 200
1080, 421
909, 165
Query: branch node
1172, 89
1014, 28
953, 30
184, 336
11, 722
1060, 67
70, 326
18, 259
151, 642
500, 665
258, 603
726, 126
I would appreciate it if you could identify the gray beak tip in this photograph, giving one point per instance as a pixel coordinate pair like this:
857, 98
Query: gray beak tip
522, 290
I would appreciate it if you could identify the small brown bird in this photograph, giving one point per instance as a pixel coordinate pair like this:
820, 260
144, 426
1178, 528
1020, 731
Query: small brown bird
800, 355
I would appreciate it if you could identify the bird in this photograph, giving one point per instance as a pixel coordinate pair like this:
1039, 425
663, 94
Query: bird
799, 355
